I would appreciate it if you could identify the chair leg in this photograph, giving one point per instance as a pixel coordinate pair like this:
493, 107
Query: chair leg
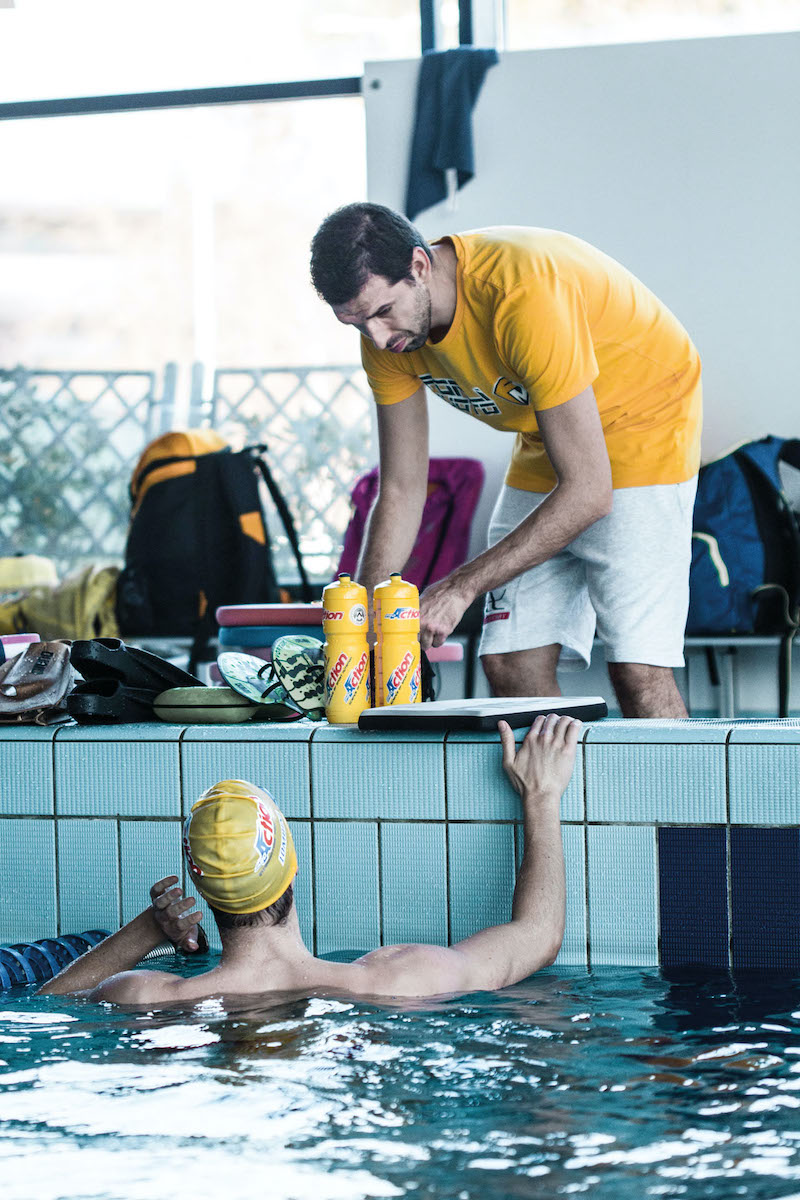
785, 672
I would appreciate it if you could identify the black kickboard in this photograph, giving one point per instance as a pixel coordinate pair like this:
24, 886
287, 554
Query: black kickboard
446, 715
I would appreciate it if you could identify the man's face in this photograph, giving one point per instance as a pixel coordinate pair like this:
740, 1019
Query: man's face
395, 316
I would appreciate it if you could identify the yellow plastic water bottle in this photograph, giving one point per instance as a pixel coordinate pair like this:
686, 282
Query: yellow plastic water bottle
344, 623
395, 605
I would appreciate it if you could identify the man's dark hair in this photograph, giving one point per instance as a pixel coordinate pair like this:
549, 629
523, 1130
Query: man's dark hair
357, 241
274, 914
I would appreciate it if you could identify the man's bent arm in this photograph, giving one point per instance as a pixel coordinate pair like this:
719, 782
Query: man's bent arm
395, 518
123, 950
573, 438
168, 919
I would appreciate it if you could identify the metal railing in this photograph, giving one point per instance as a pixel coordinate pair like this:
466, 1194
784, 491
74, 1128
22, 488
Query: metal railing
69, 441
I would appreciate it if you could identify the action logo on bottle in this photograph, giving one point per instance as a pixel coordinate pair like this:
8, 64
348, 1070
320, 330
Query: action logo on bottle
336, 672
414, 686
398, 677
265, 836
353, 680
332, 616
402, 614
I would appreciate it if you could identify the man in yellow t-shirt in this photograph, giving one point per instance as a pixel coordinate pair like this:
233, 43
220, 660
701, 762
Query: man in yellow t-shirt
535, 332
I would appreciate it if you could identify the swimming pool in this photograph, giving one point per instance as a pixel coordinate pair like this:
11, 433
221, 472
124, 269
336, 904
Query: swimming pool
615, 1083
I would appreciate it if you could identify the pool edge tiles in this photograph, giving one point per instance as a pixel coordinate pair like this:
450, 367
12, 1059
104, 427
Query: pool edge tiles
117, 770
693, 895
27, 781
656, 772
91, 900
29, 870
259, 755
623, 895
764, 773
477, 787
419, 838
765, 898
368, 776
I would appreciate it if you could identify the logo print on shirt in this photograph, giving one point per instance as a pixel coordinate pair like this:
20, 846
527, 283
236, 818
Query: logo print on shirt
513, 393
479, 404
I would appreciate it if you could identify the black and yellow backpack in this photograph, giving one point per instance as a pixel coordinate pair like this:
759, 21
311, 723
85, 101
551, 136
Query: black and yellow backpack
198, 536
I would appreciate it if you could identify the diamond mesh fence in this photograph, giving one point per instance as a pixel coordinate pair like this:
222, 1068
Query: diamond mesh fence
68, 443
316, 423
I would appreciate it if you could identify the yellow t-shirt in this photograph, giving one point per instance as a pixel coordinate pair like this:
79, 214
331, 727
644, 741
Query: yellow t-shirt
540, 316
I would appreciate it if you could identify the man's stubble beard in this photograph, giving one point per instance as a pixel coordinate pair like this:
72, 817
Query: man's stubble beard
422, 328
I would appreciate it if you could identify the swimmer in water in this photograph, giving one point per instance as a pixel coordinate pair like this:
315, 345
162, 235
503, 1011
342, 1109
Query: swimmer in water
241, 858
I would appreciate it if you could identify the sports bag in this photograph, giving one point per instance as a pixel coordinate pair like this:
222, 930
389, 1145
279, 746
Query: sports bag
81, 606
198, 536
454, 488
745, 572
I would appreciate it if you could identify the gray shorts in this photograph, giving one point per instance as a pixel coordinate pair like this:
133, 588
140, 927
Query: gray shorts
627, 576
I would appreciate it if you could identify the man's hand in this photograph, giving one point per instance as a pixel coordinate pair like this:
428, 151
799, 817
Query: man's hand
173, 915
441, 607
542, 765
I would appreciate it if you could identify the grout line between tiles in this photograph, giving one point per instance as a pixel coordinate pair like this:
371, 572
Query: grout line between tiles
448, 912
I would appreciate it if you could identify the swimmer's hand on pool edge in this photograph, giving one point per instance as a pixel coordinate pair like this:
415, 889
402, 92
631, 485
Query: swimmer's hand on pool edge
544, 761
173, 913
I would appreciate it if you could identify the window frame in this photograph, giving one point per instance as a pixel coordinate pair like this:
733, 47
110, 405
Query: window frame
298, 89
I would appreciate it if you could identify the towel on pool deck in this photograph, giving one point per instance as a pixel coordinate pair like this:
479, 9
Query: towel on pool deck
448, 86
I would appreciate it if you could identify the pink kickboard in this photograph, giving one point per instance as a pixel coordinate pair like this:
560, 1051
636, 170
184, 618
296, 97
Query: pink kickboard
448, 652
269, 614
16, 641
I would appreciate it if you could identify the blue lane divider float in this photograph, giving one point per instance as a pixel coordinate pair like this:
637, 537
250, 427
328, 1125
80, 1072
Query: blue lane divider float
36, 962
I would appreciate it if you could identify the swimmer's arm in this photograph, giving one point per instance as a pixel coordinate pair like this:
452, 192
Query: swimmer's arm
123, 950
539, 770
168, 918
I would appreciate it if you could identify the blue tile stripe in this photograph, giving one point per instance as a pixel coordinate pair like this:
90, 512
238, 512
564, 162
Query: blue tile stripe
765, 898
693, 894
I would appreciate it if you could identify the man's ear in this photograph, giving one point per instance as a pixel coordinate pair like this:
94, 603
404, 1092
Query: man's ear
420, 265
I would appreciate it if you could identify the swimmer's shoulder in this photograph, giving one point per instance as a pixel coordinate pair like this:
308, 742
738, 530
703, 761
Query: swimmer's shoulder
408, 969
148, 987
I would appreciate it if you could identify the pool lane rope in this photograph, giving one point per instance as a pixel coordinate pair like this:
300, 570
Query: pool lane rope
36, 962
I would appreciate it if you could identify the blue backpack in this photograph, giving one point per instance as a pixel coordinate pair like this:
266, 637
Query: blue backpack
745, 573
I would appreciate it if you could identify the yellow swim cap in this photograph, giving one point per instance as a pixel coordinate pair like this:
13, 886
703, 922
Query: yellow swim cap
238, 847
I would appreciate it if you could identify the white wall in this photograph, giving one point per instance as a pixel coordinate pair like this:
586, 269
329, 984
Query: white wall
678, 158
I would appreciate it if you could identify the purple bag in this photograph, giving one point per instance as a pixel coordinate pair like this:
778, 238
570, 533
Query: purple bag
454, 488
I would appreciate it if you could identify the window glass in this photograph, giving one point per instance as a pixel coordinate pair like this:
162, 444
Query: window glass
582, 22
152, 45
137, 239
132, 241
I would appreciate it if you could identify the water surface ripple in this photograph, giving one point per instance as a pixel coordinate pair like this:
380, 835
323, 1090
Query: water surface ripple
616, 1083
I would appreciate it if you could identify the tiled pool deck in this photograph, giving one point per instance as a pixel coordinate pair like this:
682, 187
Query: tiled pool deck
682, 838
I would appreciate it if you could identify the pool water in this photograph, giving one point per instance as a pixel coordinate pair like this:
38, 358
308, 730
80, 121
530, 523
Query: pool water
624, 1083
